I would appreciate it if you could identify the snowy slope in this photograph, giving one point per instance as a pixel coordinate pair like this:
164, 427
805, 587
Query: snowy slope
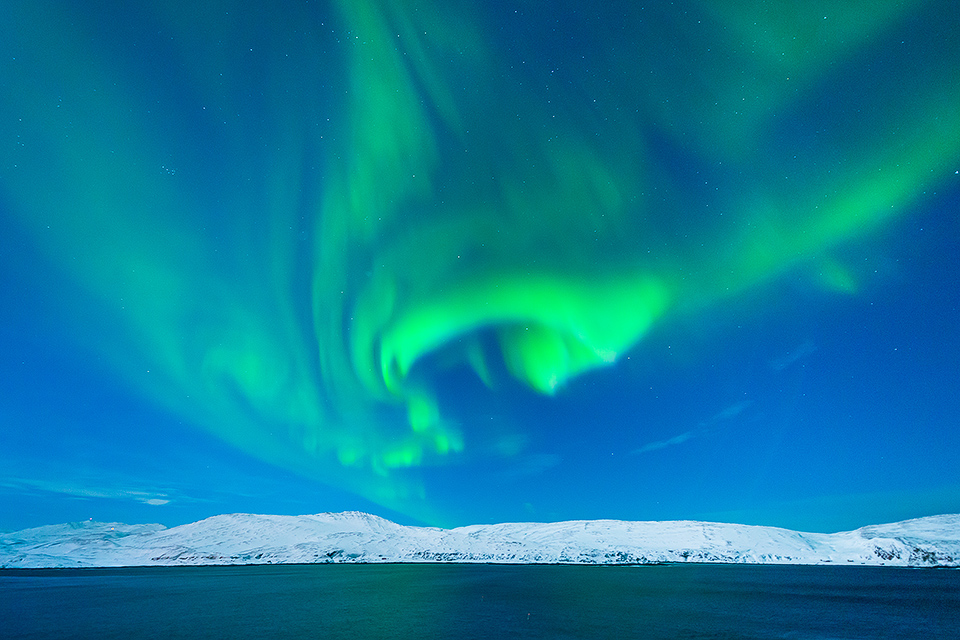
361, 537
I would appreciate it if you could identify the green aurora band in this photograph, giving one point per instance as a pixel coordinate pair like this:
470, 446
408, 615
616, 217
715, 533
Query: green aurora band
288, 248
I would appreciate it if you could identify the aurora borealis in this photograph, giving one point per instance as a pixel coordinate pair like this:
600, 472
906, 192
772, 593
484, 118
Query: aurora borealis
466, 262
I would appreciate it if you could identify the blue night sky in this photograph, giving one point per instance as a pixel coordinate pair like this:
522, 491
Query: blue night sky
458, 262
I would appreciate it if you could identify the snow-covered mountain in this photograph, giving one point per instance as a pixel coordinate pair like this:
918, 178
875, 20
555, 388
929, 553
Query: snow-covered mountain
361, 538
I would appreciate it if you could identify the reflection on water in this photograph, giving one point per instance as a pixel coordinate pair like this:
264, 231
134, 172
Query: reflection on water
482, 601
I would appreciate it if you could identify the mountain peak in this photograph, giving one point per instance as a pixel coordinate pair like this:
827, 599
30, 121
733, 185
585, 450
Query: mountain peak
357, 537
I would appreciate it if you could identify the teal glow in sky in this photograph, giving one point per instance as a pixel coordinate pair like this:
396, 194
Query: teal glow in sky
458, 262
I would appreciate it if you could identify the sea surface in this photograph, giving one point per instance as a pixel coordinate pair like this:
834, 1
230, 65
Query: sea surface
481, 601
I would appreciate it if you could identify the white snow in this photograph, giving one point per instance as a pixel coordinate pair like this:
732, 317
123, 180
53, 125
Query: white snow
364, 538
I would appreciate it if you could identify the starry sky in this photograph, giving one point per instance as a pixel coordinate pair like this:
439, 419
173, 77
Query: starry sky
460, 262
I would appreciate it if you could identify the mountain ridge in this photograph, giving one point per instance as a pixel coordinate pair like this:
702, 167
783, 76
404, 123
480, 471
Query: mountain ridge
358, 537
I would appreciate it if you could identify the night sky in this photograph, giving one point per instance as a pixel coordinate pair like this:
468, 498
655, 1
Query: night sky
461, 262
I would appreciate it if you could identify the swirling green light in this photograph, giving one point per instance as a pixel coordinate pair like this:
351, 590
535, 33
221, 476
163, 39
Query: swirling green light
404, 189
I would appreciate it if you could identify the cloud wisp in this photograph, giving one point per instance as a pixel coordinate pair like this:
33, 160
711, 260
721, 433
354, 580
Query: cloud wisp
801, 352
81, 490
706, 426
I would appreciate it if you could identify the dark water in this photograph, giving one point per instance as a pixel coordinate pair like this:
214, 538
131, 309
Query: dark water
481, 601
